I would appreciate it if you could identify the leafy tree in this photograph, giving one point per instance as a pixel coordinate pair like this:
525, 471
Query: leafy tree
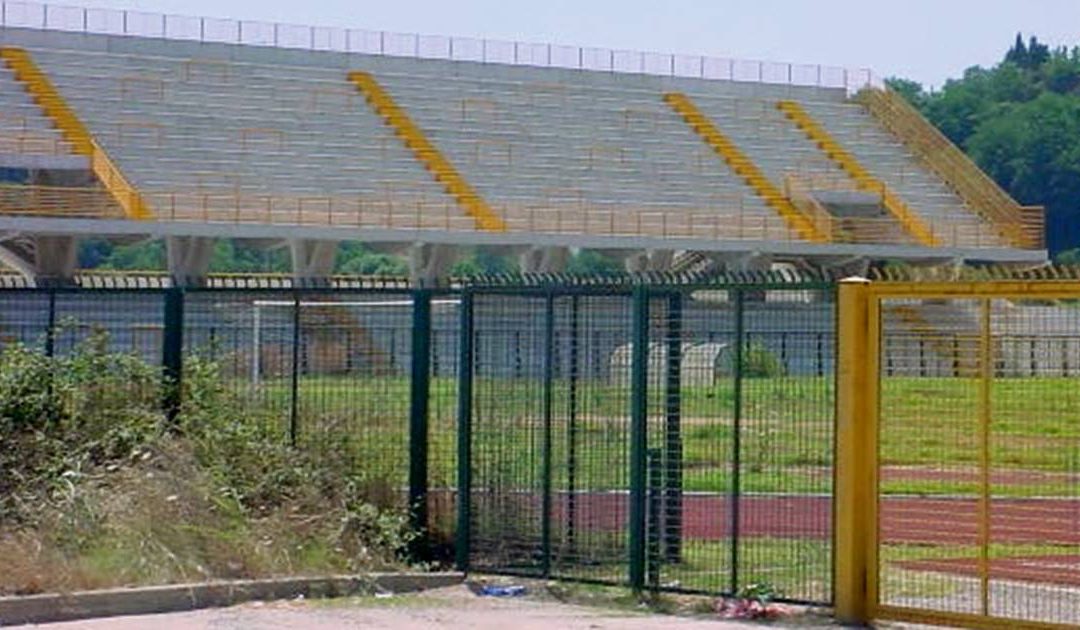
356, 258
138, 256
480, 262
1031, 56
589, 262
1068, 257
911, 90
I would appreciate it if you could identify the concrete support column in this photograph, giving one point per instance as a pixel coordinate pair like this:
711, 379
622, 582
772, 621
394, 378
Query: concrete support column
855, 267
42, 259
429, 263
312, 259
544, 259
188, 258
649, 260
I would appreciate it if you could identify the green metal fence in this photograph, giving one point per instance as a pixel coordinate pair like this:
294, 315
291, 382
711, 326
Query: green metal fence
666, 435
648, 431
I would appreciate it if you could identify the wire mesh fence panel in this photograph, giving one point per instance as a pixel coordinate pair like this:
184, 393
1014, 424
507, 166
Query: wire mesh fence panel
785, 410
673, 436
590, 436
326, 371
980, 451
129, 322
99, 352
26, 318
1032, 489
692, 435
929, 454
442, 423
245, 341
352, 386
115, 336
705, 381
511, 436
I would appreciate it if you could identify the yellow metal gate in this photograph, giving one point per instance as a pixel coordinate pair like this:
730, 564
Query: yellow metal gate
958, 488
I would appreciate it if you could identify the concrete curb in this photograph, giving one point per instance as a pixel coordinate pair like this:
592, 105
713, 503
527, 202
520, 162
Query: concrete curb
179, 597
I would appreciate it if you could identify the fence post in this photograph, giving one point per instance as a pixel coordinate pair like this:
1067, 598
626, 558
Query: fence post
639, 381
857, 385
294, 377
418, 416
546, 411
172, 352
50, 331
736, 444
572, 428
673, 433
464, 445
655, 474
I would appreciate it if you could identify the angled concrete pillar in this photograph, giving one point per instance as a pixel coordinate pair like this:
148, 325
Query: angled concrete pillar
743, 261
846, 267
312, 259
544, 259
428, 263
649, 260
188, 258
42, 259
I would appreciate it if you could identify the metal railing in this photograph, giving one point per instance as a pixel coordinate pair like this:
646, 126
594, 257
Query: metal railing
29, 143
1023, 226
336, 39
730, 220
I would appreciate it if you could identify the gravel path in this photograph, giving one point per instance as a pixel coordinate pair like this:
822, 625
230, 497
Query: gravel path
454, 608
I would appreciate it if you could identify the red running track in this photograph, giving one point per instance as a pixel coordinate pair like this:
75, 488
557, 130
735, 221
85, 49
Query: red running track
1061, 570
904, 520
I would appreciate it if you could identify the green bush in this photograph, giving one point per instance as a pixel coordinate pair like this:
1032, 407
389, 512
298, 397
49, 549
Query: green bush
97, 490
760, 362
59, 416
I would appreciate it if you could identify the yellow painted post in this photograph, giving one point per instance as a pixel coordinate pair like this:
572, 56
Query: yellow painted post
986, 373
855, 546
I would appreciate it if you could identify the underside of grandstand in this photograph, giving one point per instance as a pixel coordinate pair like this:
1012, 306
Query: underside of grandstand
112, 134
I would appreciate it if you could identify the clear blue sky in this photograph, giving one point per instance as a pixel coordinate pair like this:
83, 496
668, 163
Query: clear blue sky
927, 40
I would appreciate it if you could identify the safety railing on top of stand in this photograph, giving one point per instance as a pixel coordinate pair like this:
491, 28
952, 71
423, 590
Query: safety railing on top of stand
324, 38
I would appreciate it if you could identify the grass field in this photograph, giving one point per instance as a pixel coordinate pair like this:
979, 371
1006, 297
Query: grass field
786, 439
929, 446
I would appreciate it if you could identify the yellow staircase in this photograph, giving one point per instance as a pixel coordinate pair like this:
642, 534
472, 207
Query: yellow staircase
863, 179
744, 167
432, 159
1021, 226
74, 131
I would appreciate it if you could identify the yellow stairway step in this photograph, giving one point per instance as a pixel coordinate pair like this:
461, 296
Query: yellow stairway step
426, 153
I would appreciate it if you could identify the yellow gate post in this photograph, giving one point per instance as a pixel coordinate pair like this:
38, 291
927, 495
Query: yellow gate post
855, 545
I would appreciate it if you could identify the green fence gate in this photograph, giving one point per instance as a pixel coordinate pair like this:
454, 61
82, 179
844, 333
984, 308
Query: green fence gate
659, 434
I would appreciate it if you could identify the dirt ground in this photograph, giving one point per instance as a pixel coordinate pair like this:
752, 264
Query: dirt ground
455, 608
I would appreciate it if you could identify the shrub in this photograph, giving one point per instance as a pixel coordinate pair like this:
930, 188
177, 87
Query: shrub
59, 416
96, 490
760, 362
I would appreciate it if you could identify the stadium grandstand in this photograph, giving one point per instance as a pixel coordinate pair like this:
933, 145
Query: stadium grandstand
129, 126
